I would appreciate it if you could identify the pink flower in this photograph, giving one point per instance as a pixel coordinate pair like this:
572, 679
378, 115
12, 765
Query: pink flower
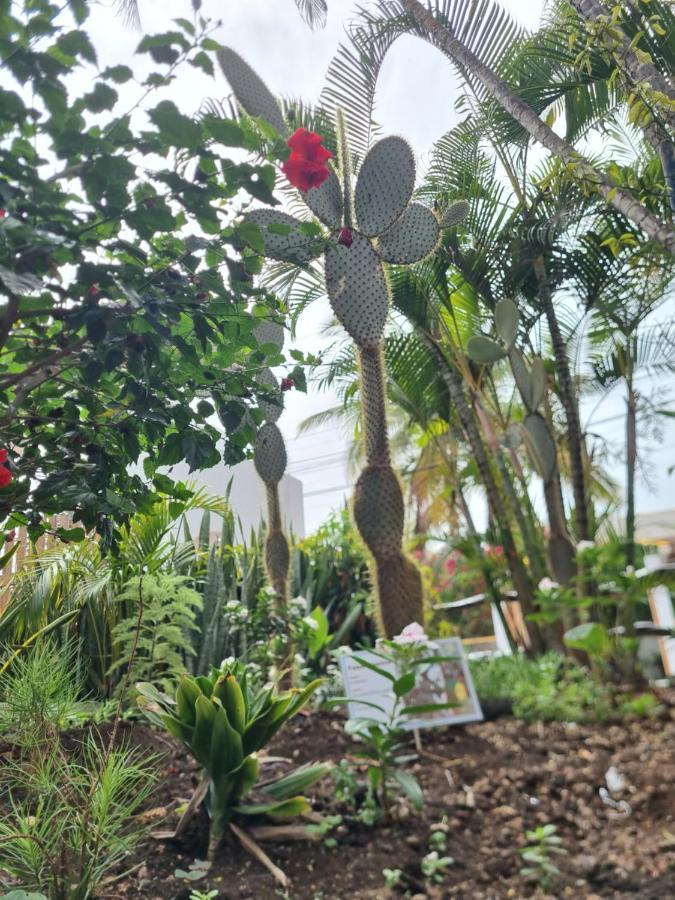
450, 565
412, 634
547, 584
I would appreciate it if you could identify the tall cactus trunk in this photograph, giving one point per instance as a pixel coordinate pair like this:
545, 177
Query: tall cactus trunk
277, 552
379, 508
631, 462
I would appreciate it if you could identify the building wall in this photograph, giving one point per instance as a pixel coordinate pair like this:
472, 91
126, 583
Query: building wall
247, 496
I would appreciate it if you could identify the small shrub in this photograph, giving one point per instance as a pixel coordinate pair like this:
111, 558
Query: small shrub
69, 819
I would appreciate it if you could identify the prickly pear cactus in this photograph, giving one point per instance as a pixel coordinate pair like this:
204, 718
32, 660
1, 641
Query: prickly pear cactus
269, 459
368, 223
535, 431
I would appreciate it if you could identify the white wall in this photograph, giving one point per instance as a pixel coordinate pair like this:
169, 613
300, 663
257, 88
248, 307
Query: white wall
247, 496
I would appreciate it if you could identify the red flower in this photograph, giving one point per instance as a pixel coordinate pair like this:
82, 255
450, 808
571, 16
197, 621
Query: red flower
346, 238
309, 145
287, 384
5, 474
306, 167
10, 536
3, 213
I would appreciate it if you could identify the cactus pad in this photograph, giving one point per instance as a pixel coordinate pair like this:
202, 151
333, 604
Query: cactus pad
540, 445
384, 186
507, 318
326, 201
251, 92
399, 594
269, 332
561, 555
484, 350
272, 404
269, 455
413, 236
455, 213
538, 382
357, 289
378, 510
282, 236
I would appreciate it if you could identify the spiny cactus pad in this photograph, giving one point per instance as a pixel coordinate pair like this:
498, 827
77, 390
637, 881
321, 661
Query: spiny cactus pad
399, 594
384, 186
326, 201
378, 510
357, 289
272, 404
540, 445
269, 454
507, 318
413, 236
484, 350
282, 236
251, 92
269, 332
455, 213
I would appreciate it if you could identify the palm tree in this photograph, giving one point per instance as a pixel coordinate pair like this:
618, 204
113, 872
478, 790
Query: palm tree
442, 31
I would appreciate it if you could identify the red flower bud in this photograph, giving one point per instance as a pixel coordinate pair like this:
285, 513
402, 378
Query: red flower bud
287, 384
10, 536
346, 238
94, 290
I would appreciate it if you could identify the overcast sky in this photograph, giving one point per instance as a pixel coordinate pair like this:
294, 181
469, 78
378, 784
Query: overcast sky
416, 95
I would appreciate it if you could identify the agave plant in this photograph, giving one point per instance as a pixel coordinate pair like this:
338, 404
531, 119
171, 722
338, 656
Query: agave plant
224, 721
367, 222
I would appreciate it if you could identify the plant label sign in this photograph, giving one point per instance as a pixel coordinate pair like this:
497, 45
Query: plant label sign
448, 681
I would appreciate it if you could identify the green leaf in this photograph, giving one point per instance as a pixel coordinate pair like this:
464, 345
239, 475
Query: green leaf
101, 98
297, 782
404, 684
369, 665
410, 787
176, 128
282, 809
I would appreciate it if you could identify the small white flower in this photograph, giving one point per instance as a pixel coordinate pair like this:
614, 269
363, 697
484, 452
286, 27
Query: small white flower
547, 584
585, 545
412, 634
629, 570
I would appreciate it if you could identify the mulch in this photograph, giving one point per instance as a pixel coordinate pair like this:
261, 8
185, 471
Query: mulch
485, 785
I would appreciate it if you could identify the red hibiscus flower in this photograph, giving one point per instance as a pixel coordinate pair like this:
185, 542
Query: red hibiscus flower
5, 474
306, 167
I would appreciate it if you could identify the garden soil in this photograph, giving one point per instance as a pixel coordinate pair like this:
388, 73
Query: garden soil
485, 785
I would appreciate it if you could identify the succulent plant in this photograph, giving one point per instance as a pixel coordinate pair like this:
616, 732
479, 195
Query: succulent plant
269, 459
368, 222
224, 721
535, 430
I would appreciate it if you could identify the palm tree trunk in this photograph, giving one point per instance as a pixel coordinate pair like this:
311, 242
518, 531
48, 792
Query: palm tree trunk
575, 441
631, 461
519, 575
444, 39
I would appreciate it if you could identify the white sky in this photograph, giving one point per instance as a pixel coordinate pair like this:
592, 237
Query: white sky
416, 96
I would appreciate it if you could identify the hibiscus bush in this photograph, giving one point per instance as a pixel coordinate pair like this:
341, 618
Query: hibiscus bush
127, 305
